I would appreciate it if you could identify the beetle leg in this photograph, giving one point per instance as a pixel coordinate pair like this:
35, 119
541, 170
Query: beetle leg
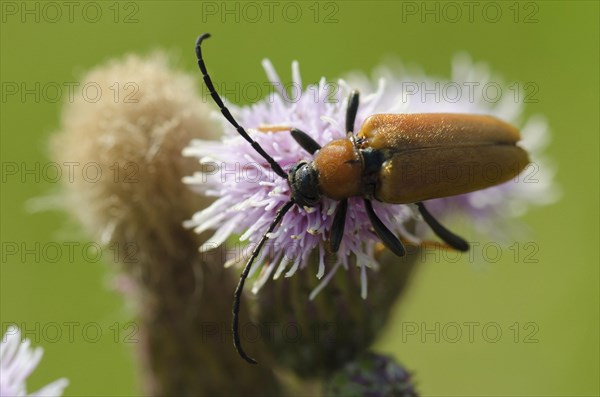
304, 140
387, 237
446, 235
379, 247
337, 228
351, 112
272, 128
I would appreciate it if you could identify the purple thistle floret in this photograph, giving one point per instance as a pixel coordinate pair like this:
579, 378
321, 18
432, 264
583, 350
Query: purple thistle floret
249, 193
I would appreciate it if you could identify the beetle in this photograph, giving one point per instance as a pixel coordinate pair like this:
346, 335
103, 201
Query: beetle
387, 160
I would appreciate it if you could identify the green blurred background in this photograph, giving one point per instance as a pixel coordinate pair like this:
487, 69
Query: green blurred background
554, 303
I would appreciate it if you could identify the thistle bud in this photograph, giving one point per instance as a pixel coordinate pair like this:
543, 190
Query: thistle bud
140, 203
372, 375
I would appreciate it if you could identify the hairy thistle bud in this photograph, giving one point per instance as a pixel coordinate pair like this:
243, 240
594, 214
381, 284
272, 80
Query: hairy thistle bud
371, 375
140, 203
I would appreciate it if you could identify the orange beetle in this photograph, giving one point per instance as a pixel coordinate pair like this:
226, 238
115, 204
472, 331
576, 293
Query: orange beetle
391, 159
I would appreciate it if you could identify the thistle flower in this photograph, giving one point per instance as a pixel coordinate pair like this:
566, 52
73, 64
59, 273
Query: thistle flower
249, 193
17, 361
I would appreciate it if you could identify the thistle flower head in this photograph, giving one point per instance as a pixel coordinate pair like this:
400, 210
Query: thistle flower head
249, 193
17, 361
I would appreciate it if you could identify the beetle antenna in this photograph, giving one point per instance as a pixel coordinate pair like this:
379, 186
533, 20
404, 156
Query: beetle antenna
209, 84
237, 297
446, 235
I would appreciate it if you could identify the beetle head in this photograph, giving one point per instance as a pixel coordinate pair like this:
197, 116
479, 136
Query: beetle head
304, 182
